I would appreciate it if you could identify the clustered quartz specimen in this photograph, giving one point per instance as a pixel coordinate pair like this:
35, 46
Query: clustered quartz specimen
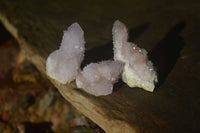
138, 70
64, 63
98, 78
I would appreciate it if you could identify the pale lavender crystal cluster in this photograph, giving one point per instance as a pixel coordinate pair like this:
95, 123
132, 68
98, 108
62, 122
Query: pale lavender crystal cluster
138, 70
64, 63
98, 78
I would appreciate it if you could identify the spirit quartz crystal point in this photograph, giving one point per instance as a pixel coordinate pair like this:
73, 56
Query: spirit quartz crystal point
63, 64
98, 78
138, 71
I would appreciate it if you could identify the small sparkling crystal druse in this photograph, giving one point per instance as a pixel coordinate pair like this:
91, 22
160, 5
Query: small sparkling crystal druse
98, 78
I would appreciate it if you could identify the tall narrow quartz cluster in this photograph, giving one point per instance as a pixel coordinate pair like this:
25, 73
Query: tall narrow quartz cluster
98, 78
138, 70
64, 63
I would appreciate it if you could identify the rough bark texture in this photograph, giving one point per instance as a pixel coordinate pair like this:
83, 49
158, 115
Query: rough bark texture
168, 30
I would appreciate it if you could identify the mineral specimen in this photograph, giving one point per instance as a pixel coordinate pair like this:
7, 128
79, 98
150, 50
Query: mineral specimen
138, 71
63, 64
98, 78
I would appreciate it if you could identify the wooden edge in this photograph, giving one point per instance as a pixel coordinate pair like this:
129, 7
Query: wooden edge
78, 100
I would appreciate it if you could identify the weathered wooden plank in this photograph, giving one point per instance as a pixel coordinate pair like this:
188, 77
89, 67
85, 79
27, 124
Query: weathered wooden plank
154, 25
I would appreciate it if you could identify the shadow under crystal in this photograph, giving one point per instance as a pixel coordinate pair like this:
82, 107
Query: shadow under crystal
165, 54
